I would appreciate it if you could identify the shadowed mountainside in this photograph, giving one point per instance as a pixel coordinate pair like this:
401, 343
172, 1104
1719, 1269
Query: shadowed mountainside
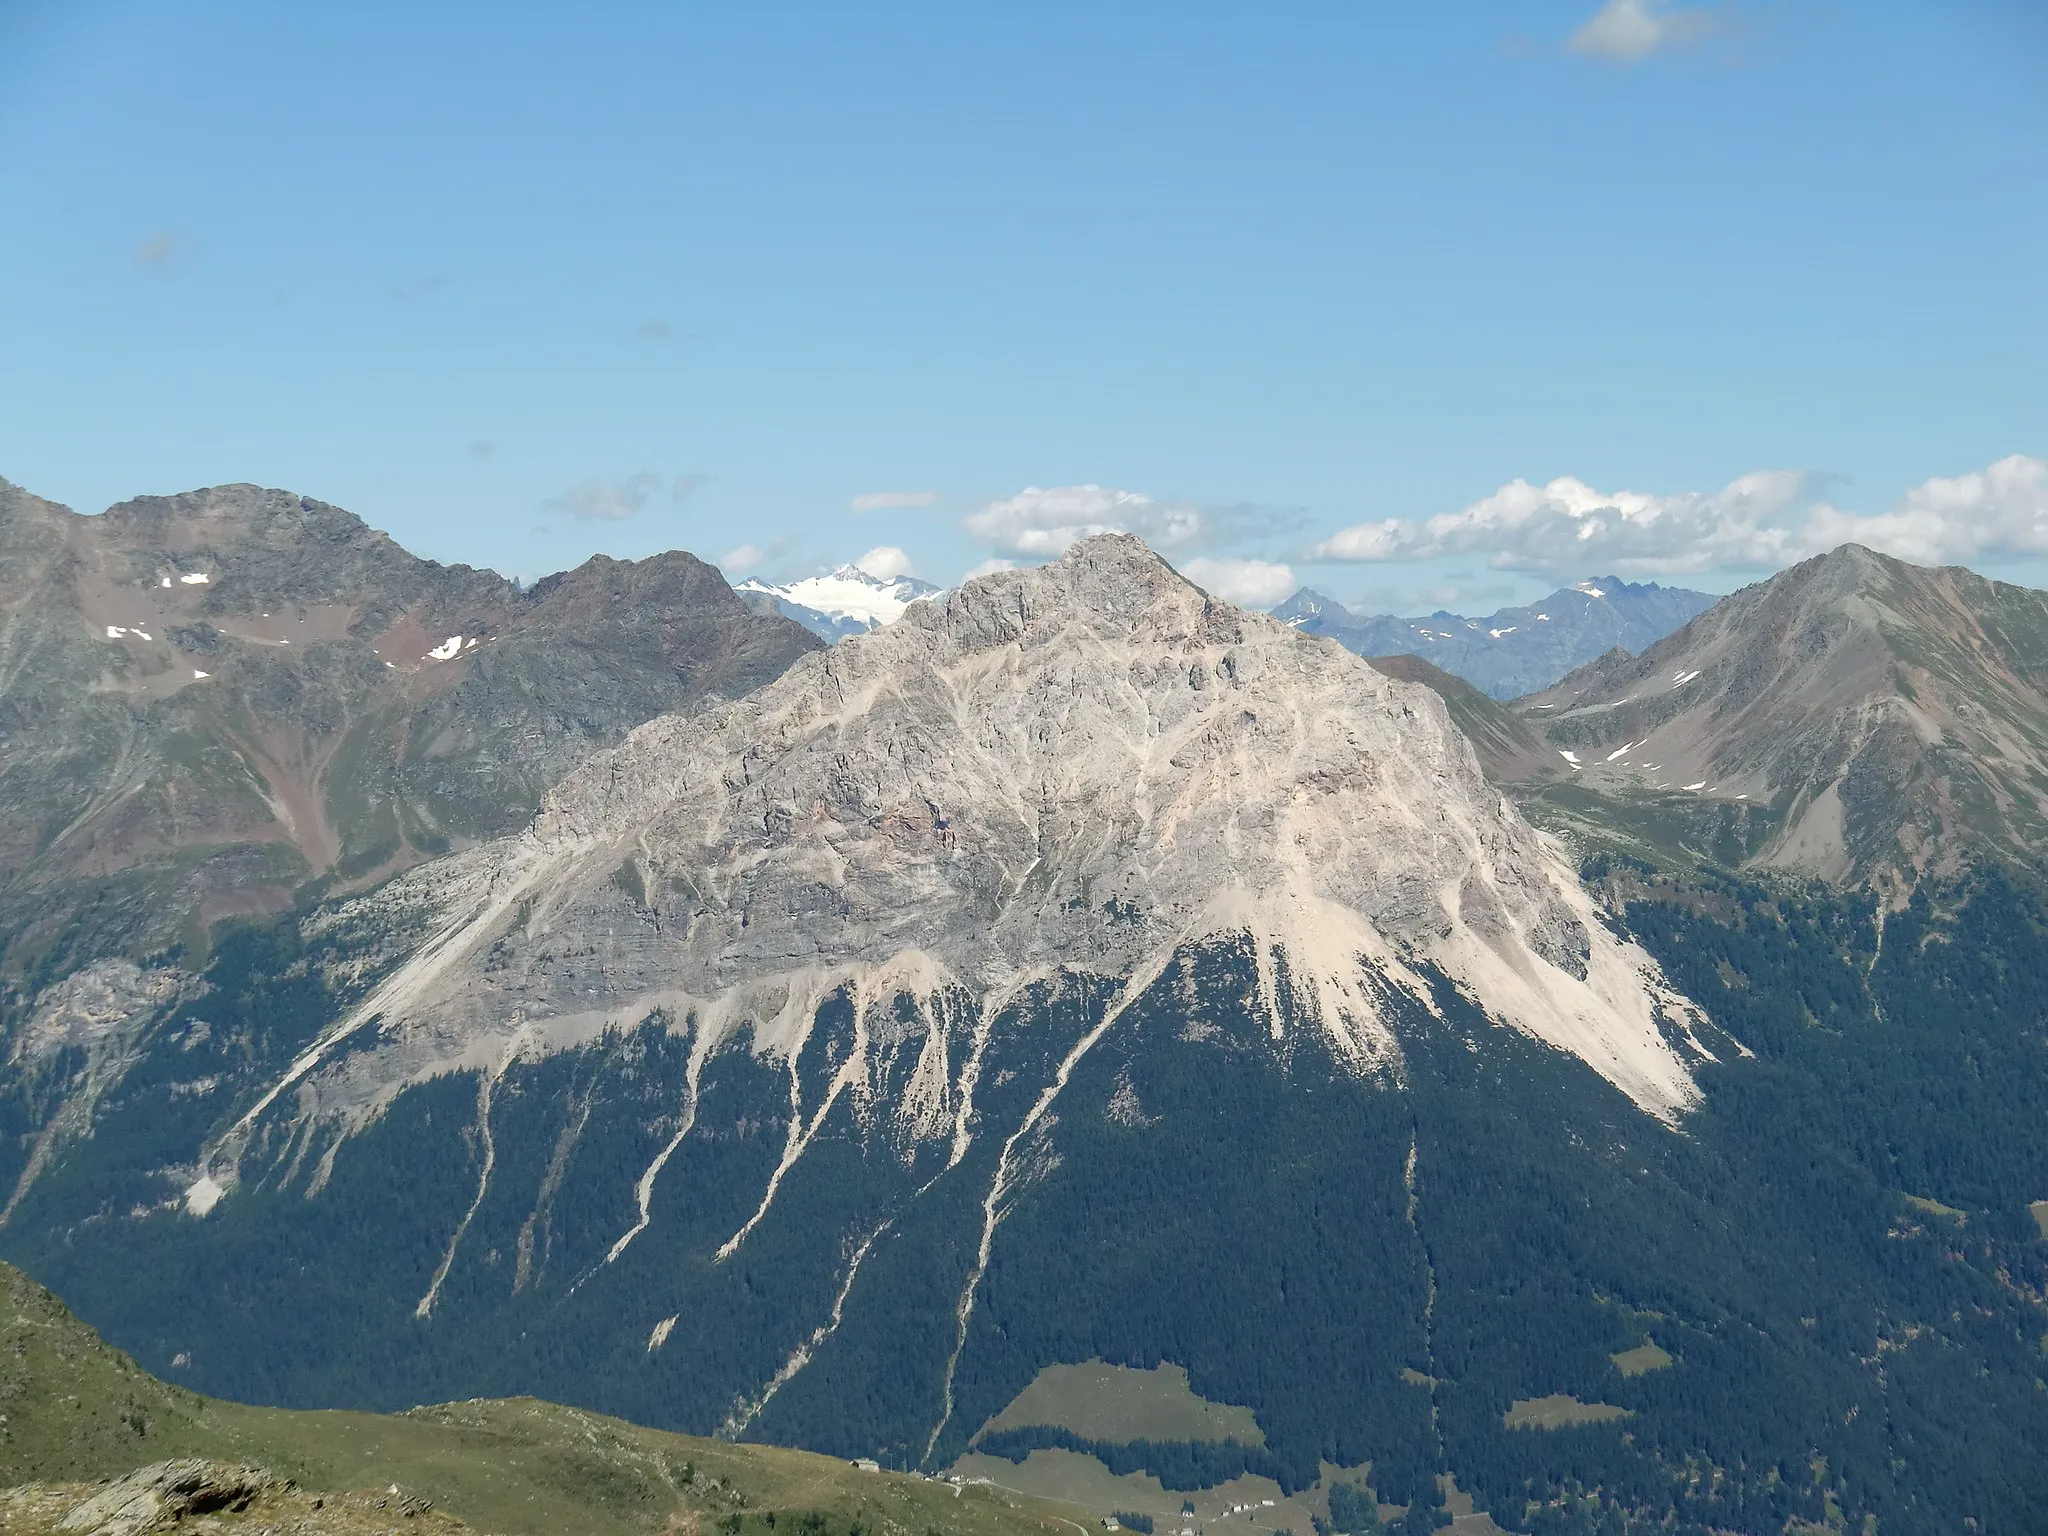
79, 1412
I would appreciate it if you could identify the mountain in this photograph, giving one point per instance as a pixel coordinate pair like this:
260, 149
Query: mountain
87, 1430
1889, 721
1086, 1028
1517, 650
209, 702
849, 601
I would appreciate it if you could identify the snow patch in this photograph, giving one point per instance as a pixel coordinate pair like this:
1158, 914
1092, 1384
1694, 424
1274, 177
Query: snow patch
1569, 756
192, 579
446, 648
197, 674
202, 1196
661, 1332
1497, 633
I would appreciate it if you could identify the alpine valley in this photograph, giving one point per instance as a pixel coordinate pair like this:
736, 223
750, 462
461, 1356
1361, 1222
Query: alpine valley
909, 1049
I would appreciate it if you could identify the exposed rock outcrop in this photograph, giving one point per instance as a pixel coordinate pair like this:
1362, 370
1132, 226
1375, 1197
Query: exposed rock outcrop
1081, 768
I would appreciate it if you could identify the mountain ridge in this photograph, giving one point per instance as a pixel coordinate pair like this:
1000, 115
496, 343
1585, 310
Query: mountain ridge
209, 700
1892, 718
1516, 650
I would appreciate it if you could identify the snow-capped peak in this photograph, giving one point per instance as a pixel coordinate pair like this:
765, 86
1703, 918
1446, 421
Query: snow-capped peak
849, 600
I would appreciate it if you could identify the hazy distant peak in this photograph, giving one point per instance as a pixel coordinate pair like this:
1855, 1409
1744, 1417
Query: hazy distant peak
846, 600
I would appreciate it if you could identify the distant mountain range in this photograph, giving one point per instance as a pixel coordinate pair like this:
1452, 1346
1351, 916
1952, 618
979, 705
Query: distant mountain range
1516, 650
848, 601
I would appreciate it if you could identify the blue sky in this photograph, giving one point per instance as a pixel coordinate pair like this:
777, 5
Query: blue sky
1281, 282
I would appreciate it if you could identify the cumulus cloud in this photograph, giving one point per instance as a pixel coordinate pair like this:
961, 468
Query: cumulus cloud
885, 562
1568, 526
1250, 583
2000, 510
1760, 520
604, 501
988, 568
890, 501
737, 562
1627, 31
1045, 522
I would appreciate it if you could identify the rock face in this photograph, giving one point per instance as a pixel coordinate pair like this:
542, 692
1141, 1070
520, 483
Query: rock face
1515, 650
156, 1497
209, 701
1889, 719
1084, 769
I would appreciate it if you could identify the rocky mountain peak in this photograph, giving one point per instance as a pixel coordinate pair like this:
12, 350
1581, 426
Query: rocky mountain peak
1091, 769
1889, 716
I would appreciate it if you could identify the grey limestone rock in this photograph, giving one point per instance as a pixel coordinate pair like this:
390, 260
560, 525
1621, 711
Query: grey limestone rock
1082, 768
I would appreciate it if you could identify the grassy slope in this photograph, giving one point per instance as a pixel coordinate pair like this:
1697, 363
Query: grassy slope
72, 1409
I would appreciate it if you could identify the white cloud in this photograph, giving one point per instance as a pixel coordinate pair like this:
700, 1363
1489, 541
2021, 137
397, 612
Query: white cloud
1625, 31
1568, 526
889, 501
1251, 583
886, 562
601, 501
1045, 522
737, 562
2001, 510
988, 568
1760, 520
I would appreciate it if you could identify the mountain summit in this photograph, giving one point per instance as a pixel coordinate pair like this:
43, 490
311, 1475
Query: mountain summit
1083, 769
1891, 717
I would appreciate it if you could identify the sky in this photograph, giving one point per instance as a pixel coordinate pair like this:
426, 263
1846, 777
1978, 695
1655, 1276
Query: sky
1420, 305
